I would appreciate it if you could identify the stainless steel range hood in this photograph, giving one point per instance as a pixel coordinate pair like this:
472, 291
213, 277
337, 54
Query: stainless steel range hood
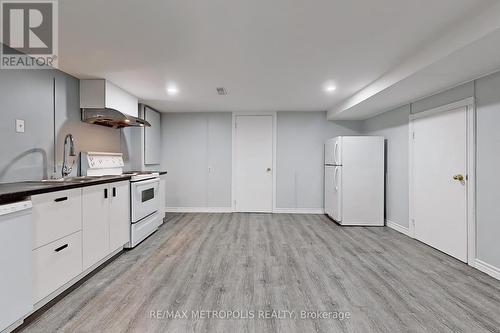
112, 118
103, 103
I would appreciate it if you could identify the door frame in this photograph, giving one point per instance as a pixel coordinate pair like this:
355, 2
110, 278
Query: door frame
469, 104
274, 115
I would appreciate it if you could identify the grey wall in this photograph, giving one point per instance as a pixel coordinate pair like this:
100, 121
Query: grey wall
27, 95
446, 97
487, 168
300, 155
191, 143
393, 126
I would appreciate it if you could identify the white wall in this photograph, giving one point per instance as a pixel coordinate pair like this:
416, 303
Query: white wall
191, 143
300, 155
393, 126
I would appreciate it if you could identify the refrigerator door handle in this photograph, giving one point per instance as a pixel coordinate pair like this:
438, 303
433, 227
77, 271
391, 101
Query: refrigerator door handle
335, 179
335, 150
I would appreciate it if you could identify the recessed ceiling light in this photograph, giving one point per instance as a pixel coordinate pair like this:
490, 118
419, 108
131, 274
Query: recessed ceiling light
172, 90
330, 88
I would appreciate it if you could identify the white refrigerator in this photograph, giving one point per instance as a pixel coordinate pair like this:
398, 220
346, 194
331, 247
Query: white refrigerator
354, 180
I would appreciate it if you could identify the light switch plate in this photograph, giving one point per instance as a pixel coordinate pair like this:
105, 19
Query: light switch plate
19, 126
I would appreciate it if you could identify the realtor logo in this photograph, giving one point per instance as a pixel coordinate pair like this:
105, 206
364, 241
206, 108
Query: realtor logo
29, 34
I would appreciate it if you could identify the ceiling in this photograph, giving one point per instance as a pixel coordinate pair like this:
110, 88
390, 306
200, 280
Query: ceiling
466, 52
269, 55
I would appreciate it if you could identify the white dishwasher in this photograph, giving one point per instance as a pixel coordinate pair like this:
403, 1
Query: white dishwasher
16, 243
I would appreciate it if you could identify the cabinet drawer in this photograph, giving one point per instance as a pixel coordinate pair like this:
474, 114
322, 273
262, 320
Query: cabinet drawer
56, 264
56, 215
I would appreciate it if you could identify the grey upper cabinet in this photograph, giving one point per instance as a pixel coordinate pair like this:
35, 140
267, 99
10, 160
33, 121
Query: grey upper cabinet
152, 137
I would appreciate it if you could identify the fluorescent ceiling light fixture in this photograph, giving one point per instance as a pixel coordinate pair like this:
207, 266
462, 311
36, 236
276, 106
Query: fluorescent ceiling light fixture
172, 90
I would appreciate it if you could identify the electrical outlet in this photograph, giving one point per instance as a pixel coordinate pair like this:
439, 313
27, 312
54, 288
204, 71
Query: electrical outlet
19, 126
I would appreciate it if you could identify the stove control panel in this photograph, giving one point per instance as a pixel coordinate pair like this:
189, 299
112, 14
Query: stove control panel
101, 164
103, 161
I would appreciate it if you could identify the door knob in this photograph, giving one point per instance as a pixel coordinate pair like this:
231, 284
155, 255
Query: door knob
268, 170
458, 177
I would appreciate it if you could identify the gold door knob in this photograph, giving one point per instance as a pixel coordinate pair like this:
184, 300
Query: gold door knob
458, 177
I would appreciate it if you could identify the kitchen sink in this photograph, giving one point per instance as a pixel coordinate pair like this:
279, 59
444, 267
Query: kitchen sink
67, 180
71, 179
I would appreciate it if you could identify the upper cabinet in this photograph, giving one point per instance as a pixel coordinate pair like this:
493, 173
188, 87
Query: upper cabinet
152, 137
102, 94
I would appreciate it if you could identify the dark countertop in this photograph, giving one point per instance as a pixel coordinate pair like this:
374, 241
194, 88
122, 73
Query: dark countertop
160, 172
11, 192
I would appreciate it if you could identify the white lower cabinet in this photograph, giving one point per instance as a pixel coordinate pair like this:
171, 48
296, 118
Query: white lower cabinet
55, 215
95, 208
119, 215
106, 222
56, 264
75, 229
57, 240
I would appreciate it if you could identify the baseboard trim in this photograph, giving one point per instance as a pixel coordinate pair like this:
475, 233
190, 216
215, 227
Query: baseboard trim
299, 211
487, 268
198, 210
230, 210
398, 227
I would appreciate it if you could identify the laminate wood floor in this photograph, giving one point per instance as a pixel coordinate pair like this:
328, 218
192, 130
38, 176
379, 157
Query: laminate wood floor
275, 267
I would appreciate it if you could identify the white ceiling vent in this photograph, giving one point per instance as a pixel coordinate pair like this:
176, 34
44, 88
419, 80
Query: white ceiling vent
221, 91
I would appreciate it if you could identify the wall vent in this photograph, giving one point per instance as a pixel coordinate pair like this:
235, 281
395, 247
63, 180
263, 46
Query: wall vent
221, 91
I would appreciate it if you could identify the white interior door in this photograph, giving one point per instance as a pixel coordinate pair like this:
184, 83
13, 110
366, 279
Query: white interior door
439, 196
253, 164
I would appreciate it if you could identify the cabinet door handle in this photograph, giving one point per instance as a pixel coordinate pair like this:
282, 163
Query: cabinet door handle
105, 193
60, 248
114, 191
61, 199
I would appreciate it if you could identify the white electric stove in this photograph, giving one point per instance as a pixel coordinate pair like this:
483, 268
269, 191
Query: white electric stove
145, 217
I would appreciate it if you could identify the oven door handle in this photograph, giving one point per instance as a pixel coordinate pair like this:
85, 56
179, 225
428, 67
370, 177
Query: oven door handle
146, 182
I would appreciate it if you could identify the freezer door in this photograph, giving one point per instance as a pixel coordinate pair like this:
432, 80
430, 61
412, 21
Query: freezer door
329, 189
337, 194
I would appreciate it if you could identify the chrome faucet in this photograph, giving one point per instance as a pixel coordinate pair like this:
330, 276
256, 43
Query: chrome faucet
66, 169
